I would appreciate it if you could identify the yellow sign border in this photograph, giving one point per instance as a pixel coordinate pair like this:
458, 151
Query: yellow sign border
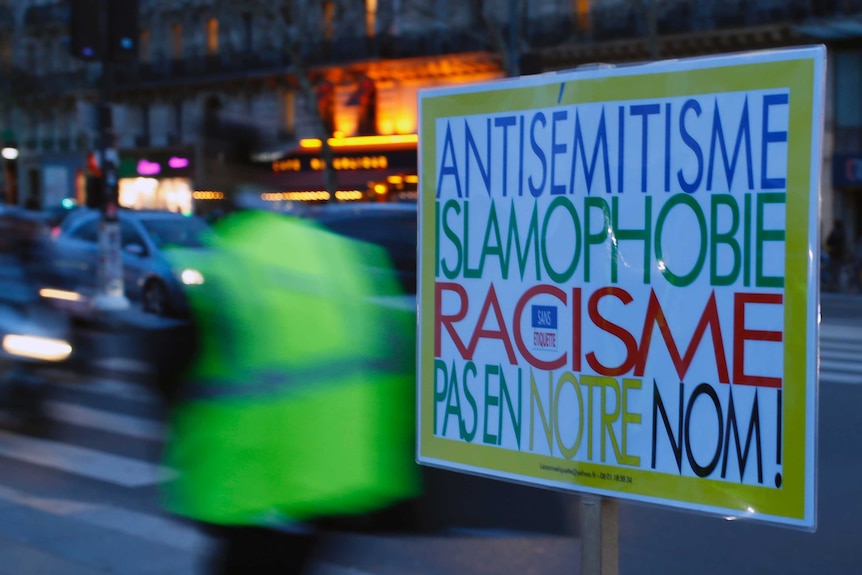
795, 75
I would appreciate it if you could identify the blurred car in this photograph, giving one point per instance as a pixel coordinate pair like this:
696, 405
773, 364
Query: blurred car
147, 276
33, 334
392, 226
55, 215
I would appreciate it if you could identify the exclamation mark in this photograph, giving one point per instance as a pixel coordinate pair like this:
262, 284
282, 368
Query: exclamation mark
778, 436
576, 330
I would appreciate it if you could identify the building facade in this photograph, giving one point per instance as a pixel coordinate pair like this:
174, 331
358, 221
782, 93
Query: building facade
218, 103
629, 31
214, 106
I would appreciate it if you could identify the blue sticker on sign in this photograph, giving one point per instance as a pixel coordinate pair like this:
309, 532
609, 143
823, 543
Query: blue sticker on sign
544, 317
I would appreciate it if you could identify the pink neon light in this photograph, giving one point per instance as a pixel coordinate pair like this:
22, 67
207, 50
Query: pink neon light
147, 168
178, 163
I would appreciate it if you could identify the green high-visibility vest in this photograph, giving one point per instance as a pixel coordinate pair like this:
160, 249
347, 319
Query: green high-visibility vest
301, 401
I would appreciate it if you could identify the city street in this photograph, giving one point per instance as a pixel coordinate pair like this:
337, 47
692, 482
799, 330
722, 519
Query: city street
217, 218
84, 499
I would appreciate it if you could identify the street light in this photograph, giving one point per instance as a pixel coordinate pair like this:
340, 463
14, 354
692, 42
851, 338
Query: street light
9, 153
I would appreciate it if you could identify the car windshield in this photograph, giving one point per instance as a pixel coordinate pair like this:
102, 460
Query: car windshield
180, 232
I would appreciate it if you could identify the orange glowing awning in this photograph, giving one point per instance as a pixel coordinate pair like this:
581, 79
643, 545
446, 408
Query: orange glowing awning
359, 162
362, 141
345, 180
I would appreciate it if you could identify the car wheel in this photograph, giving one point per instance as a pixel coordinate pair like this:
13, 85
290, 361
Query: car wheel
155, 298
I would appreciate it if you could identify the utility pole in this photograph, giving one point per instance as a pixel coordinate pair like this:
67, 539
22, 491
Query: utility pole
514, 41
111, 294
106, 31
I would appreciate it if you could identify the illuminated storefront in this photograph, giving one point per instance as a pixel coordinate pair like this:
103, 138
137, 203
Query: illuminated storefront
157, 181
367, 168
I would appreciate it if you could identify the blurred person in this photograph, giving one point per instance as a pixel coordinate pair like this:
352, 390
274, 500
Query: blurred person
836, 243
298, 406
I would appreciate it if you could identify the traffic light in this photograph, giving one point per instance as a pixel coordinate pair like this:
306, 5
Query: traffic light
86, 21
84, 29
122, 30
94, 192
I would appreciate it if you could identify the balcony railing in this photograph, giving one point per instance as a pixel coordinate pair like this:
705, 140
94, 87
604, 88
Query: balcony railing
432, 43
315, 53
342, 51
622, 20
629, 20
7, 19
23, 86
215, 68
47, 14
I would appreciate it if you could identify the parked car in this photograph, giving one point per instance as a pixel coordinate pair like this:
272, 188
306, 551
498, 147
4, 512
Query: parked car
55, 215
389, 225
451, 500
147, 276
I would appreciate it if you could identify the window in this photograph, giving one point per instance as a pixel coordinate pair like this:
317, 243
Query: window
49, 126
31, 128
582, 11
212, 36
177, 41
290, 112
31, 59
53, 56
129, 235
328, 19
180, 231
64, 125
145, 125
5, 54
442, 13
144, 46
87, 232
370, 17
178, 120
248, 31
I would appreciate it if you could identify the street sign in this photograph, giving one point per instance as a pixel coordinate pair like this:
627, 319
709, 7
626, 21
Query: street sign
618, 281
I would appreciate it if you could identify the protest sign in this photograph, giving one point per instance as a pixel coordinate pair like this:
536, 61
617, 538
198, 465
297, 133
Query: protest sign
618, 281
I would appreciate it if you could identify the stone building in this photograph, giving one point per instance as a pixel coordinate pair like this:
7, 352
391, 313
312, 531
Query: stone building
630, 31
214, 106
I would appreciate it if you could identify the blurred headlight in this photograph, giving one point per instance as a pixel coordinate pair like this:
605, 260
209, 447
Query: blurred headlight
191, 277
60, 294
35, 347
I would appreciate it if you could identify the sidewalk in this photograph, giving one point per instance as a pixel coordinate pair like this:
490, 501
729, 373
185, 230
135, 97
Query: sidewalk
92, 551
45, 535
40, 535
458, 554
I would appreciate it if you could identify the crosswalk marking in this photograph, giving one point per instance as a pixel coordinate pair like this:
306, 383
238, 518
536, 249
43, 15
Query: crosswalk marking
840, 363
147, 526
848, 357
110, 388
840, 354
127, 425
156, 528
81, 461
846, 378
